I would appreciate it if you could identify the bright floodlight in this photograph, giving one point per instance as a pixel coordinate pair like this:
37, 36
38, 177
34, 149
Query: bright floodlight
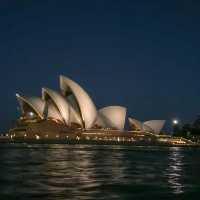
175, 121
31, 114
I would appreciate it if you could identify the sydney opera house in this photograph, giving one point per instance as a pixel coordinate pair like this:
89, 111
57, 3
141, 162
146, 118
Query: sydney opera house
71, 114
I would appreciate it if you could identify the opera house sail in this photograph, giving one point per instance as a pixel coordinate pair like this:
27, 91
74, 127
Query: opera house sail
70, 114
153, 126
58, 101
73, 107
80, 101
31, 106
112, 117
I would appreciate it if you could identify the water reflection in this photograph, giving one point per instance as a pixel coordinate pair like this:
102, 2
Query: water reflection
80, 170
97, 172
175, 171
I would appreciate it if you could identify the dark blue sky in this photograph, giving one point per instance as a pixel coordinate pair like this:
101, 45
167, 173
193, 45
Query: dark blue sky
144, 55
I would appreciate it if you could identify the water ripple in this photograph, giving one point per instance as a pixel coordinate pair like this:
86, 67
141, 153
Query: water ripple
40, 171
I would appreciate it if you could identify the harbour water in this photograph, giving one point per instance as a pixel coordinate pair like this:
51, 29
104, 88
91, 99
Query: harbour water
61, 171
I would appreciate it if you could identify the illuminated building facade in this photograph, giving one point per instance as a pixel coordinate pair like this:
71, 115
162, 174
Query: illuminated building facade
72, 107
71, 114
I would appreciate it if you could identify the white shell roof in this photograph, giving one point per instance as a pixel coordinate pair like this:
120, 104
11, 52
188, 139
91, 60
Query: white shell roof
35, 103
136, 123
112, 117
74, 116
86, 106
59, 101
155, 125
54, 113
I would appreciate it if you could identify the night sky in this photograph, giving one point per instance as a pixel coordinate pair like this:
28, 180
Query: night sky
144, 55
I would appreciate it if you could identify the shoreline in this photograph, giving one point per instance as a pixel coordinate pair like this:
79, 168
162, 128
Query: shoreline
49, 133
8, 140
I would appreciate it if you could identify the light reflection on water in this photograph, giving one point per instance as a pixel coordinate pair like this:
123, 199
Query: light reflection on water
97, 172
175, 169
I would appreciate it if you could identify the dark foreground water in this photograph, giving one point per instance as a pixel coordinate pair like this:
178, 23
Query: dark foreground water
59, 171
